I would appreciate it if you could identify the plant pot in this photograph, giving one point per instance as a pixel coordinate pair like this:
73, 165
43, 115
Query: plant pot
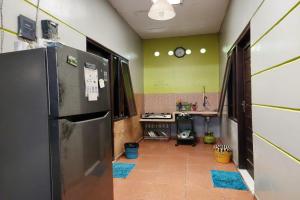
209, 139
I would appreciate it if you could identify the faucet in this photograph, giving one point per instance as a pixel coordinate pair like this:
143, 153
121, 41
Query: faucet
205, 99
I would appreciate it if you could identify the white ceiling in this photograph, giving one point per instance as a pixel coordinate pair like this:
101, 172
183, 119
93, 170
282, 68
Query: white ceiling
192, 17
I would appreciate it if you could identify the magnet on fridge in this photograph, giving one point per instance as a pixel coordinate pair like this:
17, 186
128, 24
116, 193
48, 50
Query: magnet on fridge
101, 83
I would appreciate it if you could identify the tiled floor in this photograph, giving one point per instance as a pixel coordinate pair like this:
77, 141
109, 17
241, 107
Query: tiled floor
166, 172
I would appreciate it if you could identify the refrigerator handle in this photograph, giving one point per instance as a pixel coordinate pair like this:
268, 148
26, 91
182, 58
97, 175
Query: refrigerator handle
87, 120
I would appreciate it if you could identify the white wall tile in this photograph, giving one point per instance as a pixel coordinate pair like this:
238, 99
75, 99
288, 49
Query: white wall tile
280, 45
279, 126
98, 20
9, 42
12, 9
229, 135
278, 86
276, 175
237, 17
95, 18
67, 35
35, 2
268, 14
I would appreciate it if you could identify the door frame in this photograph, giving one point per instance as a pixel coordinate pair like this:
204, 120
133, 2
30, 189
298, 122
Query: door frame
243, 40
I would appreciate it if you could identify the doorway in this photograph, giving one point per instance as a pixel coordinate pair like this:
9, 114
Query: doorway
244, 108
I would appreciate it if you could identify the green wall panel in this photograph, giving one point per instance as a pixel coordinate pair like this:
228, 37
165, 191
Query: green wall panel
168, 74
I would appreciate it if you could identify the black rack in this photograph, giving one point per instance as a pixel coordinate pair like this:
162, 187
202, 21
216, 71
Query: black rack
185, 123
157, 130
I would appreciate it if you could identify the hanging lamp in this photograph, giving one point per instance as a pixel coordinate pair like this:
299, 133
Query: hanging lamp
161, 10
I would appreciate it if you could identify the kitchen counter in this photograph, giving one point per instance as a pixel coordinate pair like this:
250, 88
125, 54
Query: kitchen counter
201, 113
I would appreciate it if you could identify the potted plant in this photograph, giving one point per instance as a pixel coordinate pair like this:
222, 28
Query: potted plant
209, 138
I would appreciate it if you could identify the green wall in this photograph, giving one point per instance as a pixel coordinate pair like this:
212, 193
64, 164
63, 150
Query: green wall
168, 74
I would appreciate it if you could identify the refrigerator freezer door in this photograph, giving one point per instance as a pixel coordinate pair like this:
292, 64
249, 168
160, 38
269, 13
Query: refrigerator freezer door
86, 167
70, 82
24, 136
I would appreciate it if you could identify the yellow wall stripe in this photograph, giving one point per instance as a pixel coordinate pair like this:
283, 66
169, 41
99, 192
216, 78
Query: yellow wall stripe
272, 27
276, 66
234, 44
8, 31
258, 8
56, 18
283, 108
284, 152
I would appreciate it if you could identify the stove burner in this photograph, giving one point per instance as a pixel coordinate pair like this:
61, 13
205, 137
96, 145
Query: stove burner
157, 116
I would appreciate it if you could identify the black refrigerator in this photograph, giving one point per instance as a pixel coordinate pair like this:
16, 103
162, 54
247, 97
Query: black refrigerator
55, 141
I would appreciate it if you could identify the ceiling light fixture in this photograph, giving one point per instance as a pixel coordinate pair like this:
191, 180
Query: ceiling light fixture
171, 53
203, 50
161, 10
188, 52
156, 53
173, 2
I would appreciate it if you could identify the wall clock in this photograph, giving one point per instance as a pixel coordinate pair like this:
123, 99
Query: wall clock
179, 52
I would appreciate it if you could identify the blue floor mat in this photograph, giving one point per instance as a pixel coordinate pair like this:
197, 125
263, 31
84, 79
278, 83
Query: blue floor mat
232, 180
122, 170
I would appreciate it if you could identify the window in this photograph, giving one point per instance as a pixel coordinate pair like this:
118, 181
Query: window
230, 86
127, 86
232, 89
122, 92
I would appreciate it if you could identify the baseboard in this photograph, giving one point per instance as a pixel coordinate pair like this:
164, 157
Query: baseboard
122, 153
119, 156
140, 139
248, 179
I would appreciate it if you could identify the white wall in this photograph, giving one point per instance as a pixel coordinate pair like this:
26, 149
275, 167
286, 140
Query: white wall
275, 68
78, 19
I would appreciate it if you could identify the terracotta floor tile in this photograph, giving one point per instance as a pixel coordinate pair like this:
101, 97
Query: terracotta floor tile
152, 165
145, 176
236, 194
170, 191
175, 179
202, 180
225, 167
166, 172
197, 193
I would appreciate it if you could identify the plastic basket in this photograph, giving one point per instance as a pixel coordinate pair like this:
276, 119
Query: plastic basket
223, 157
131, 150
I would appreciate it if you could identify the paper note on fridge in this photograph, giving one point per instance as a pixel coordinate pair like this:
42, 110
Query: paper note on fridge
91, 84
101, 83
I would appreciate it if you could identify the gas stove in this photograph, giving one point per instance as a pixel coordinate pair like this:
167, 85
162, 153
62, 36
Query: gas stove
156, 116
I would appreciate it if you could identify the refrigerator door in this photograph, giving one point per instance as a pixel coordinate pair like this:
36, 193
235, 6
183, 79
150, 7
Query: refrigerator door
85, 158
24, 136
67, 82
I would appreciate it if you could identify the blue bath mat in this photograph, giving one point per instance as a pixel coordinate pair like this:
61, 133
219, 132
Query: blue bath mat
122, 170
232, 180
